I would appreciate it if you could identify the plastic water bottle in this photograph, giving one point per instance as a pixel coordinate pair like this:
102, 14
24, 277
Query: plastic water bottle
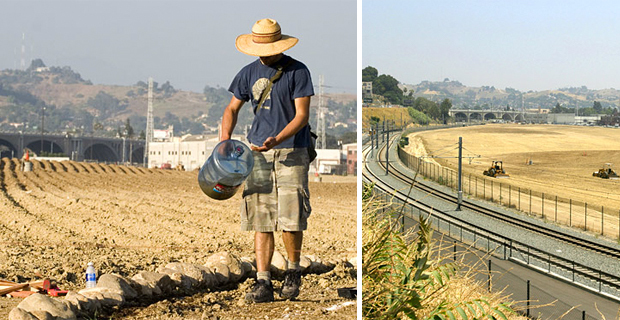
91, 276
230, 163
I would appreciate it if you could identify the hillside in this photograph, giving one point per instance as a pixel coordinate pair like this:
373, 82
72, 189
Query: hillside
463, 96
73, 104
180, 103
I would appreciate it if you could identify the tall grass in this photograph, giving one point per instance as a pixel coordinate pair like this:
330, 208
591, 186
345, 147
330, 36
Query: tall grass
402, 280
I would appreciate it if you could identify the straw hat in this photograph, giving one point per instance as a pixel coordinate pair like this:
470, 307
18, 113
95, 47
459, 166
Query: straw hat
265, 40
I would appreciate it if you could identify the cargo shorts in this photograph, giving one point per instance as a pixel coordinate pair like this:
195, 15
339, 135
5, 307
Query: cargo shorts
276, 196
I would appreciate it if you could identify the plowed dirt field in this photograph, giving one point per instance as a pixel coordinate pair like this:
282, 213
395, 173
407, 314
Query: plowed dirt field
62, 215
553, 160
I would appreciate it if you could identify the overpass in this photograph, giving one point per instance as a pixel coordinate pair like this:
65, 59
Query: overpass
464, 115
78, 148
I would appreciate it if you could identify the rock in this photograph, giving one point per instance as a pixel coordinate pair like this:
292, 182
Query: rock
249, 271
39, 304
324, 283
105, 296
233, 263
143, 288
160, 283
181, 281
319, 267
81, 304
116, 282
197, 274
304, 263
43, 315
278, 264
352, 262
222, 273
21, 314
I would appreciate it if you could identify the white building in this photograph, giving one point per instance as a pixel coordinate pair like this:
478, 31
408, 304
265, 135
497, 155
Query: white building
189, 151
328, 161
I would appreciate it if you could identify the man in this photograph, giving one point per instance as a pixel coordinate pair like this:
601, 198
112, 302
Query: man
276, 196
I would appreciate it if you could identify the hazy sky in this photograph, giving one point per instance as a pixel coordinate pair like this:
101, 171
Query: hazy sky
526, 45
189, 43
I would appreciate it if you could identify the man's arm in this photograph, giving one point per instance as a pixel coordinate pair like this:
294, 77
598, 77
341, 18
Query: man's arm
302, 114
229, 119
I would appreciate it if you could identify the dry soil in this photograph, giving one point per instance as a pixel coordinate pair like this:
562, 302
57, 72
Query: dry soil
62, 215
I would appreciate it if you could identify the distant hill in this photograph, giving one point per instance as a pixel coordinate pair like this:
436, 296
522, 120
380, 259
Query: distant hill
463, 96
73, 104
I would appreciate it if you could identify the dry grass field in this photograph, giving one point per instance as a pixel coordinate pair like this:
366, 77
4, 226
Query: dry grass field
562, 158
62, 215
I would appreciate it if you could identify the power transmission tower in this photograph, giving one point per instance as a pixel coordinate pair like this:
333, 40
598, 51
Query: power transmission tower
321, 142
149, 122
22, 64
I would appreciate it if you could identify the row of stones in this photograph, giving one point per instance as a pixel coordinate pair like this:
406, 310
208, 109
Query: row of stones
173, 278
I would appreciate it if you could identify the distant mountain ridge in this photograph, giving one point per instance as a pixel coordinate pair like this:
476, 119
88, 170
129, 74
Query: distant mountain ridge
72, 104
463, 96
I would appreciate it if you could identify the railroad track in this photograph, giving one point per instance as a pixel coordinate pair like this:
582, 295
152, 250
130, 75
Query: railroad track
379, 180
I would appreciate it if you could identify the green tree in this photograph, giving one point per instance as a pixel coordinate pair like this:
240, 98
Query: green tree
598, 108
128, 129
445, 107
387, 86
369, 74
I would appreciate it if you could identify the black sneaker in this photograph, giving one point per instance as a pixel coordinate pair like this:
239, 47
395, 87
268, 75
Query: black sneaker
291, 284
261, 292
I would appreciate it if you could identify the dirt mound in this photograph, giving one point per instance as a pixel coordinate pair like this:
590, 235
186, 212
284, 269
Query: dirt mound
60, 216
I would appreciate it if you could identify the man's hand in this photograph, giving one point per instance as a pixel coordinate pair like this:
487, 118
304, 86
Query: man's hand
267, 145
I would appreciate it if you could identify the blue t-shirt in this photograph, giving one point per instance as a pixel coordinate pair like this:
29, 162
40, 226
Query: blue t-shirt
279, 108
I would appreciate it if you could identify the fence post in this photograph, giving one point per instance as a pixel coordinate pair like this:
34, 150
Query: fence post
527, 298
484, 189
570, 212
543, 205
489, 285
454, 253
519, 198
509, 196
476, 187
492, 190
602, 218
530, 202
556, 209
500, 193
585, 217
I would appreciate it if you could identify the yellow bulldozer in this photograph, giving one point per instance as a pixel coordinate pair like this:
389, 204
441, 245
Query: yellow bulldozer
606, 173
496, 170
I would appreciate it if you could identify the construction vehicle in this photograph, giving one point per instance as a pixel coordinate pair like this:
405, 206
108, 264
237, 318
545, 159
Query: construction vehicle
606, 173
496, 170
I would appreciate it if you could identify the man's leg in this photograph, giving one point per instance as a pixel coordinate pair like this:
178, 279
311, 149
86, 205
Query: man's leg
263, 248
292, 242
292, 277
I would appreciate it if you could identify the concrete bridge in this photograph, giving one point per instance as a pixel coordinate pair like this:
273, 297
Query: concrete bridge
78, 148
488, 115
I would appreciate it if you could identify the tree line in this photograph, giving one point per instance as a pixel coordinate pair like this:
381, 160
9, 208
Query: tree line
421, 110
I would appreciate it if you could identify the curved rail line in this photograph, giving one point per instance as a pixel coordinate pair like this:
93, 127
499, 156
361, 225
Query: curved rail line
548, 232
603, 277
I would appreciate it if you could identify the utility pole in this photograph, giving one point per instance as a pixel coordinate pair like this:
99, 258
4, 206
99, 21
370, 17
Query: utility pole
387, 152
42, 128
460, 198
321, 142
149, 123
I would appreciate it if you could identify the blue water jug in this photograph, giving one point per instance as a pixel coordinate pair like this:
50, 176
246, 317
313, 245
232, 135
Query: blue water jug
230, 163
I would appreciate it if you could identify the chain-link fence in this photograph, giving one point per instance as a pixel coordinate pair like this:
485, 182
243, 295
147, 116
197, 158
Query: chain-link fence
566, 211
